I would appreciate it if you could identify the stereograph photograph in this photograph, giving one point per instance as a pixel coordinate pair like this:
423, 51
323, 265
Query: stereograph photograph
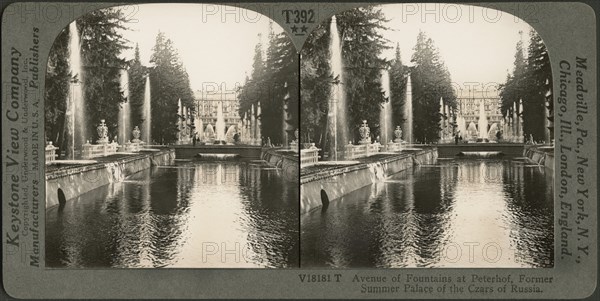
426, 140
169, 141
305, 150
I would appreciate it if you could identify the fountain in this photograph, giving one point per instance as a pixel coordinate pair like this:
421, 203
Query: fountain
209, 133
385, 115
515, 123
461, 126
442, 121
408, 112
338, 127
124, 112
472, 133
252, 125
229, 134
286, 126
492, 132
199, 129
483, 122
258, 137
220, 125
520, 122
75, 107
147, 113
295, 145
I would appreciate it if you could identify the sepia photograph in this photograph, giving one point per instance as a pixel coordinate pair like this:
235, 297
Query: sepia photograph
172, 140
427, 141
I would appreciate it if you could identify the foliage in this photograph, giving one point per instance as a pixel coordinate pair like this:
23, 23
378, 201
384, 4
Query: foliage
430, 82
273, 83
528, 83
398, 74
362, 44
101, 46
169, 82
137, 84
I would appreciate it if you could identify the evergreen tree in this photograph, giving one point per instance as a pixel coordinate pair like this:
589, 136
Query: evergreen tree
514, 88
362, 44
273, 83
528, 83
430, 82
56, 89
101, 47
398, 87
137, 85
316, 79
169, 82
538, 72
255, 88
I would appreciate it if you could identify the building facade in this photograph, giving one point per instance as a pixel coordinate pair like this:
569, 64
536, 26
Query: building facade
207, 104
468, 105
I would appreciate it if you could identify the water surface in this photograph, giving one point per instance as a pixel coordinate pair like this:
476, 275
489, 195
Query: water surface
195, 214
456, 213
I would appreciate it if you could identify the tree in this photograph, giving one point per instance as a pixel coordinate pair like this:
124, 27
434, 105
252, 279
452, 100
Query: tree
315, 78
169, 82
273, 83
528, 83
515, 86
101, 47
430, 82
137, 85
362, 44
398, 87
56, 89
538, 72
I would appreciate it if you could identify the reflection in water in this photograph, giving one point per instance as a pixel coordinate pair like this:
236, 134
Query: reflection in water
200, 214
458, 213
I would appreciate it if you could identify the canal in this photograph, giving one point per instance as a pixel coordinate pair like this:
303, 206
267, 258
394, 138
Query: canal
226, 214
471, 212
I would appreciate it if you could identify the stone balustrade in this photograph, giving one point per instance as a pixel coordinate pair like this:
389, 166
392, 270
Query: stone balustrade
393, 147
99, 150
51, 153
362, 150
309, 156
130, 147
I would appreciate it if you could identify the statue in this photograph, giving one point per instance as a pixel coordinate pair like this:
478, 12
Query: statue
102, 130
365, 133
398, 134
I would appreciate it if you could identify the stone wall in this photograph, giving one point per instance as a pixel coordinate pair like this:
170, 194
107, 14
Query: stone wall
244, 151
289, 163
67, 183
540, 156
320, 187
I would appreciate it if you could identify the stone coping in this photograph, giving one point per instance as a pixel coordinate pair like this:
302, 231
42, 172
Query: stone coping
316, 173
100, 163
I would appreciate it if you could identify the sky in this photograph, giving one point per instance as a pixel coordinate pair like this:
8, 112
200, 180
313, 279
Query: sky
215, 45
477, 44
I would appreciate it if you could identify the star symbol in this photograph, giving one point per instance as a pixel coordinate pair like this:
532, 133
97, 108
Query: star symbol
304, 28
294, 29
